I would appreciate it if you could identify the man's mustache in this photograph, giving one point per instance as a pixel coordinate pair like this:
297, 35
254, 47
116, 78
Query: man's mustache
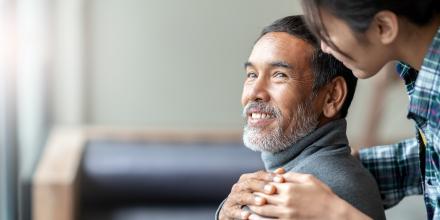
261, 107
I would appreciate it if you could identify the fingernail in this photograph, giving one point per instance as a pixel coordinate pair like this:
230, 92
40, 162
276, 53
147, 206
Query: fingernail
278, 179
245, 214
252, 217
259, 200
280, 170
268, 188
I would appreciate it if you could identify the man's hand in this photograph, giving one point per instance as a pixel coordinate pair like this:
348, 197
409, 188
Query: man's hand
242, 195
302, 196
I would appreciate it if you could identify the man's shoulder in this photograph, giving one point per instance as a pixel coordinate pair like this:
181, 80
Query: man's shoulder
330, 165
346, 176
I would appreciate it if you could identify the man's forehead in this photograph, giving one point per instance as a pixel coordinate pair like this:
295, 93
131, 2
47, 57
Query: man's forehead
280, 47
283, 38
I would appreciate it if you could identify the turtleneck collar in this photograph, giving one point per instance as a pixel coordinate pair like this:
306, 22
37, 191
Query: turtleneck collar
330, 135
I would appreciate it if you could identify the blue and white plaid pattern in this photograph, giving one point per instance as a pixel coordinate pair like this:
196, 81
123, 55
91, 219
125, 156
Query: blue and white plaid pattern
397, 167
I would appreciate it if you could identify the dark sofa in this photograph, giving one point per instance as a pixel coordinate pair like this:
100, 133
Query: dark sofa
158, 177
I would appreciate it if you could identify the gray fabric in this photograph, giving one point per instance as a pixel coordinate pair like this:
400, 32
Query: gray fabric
325, 154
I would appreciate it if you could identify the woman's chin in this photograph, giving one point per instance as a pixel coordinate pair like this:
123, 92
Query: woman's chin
361, 74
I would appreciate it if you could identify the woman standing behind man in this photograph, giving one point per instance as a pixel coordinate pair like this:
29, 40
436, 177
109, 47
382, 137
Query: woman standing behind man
365, 35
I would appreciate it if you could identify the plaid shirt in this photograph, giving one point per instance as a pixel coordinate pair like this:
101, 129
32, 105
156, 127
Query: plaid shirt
398, 168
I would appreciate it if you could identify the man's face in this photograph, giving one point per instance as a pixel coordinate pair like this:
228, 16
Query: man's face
277, 93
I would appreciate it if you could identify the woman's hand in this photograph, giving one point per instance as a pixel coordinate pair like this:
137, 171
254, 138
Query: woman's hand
302, 196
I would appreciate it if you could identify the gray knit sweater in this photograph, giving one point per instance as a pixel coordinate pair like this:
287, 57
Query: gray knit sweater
325, 154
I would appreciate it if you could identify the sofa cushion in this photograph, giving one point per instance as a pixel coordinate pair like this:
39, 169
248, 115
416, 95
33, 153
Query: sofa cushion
163, 172
153, 213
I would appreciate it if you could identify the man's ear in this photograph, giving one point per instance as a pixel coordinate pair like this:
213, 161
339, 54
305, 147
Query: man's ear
385, 26
335, 97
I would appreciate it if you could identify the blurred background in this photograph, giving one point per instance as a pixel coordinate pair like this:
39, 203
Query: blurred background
135, 64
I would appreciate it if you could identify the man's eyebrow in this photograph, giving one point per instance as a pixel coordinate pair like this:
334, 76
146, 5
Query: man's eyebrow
248, 64
281, 64
273, 64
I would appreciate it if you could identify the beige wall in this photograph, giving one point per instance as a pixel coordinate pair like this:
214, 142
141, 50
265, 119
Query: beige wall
172, 63
393, 125
179, 64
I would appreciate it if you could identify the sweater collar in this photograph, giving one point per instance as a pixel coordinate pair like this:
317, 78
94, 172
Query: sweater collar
332, 133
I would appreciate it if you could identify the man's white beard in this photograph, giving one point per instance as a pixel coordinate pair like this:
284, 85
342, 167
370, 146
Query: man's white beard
277, 140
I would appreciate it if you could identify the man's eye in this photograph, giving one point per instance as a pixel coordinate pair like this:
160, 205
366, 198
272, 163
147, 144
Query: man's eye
251, 75
280, 75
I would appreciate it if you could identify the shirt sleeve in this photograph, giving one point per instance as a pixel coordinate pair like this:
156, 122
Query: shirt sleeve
396, 169
217, 213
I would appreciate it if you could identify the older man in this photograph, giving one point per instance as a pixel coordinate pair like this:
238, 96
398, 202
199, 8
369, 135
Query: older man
295, 101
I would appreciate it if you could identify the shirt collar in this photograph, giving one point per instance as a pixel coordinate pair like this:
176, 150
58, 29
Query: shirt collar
419, 84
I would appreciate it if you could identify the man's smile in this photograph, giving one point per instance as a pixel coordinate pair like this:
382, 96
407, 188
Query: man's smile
260, 119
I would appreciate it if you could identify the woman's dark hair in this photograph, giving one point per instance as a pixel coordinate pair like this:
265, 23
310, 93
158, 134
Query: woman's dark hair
324, 66
358, 14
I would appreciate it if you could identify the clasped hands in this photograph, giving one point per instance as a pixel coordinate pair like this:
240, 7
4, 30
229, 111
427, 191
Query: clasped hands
281, 195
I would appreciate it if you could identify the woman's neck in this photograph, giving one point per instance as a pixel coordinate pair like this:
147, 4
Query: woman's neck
414, 41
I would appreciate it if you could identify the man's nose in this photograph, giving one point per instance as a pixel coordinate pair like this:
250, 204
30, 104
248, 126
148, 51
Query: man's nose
259, 91
324, 47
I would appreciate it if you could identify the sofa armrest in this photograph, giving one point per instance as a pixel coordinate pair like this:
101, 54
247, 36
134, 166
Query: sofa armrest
56, 178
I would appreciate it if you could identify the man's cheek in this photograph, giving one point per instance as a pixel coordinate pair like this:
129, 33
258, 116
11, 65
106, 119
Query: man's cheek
284, 122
